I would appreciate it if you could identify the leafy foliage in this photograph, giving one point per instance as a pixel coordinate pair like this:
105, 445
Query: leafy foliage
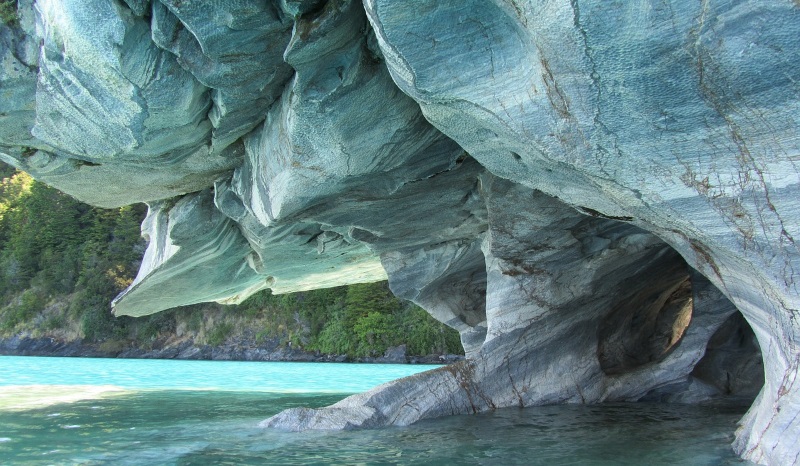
219, 334
52, 245
8, 12
53, 248
361, 320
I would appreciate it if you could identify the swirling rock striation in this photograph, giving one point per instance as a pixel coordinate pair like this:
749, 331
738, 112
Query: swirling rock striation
601, 199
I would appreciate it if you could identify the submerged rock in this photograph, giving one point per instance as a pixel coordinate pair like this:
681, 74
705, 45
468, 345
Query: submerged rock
602, 201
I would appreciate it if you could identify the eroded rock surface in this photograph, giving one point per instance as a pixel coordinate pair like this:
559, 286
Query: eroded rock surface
547, 317
601, 200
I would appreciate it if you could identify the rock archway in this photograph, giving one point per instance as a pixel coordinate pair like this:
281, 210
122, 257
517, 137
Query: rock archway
568, 308
559, 181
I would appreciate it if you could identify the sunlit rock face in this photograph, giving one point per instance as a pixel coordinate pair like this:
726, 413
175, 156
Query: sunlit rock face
602, 199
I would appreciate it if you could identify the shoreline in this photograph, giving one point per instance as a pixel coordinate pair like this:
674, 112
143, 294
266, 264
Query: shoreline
34, 396
21, 345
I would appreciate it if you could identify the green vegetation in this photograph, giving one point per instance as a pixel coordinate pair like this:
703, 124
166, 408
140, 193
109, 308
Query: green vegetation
357, 320
8, 12
62, 262
219, 334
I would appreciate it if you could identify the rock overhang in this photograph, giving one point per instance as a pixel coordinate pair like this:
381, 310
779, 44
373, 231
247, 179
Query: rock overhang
294, 145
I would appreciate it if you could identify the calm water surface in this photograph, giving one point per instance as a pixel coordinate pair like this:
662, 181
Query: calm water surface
108, 411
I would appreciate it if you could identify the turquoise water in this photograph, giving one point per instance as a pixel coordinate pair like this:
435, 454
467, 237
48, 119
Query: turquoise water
241, 376
96, 411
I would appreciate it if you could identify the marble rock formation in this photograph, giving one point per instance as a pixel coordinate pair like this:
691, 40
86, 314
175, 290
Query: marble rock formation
602, 199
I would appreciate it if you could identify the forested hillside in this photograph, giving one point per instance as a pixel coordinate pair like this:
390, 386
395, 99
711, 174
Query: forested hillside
62, 262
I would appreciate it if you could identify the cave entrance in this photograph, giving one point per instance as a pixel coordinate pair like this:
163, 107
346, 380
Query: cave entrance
645, 326
732, 362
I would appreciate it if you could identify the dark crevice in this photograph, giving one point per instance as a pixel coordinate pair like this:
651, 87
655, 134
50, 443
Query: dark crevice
594, 213
732, 362
645, 327
86, 163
